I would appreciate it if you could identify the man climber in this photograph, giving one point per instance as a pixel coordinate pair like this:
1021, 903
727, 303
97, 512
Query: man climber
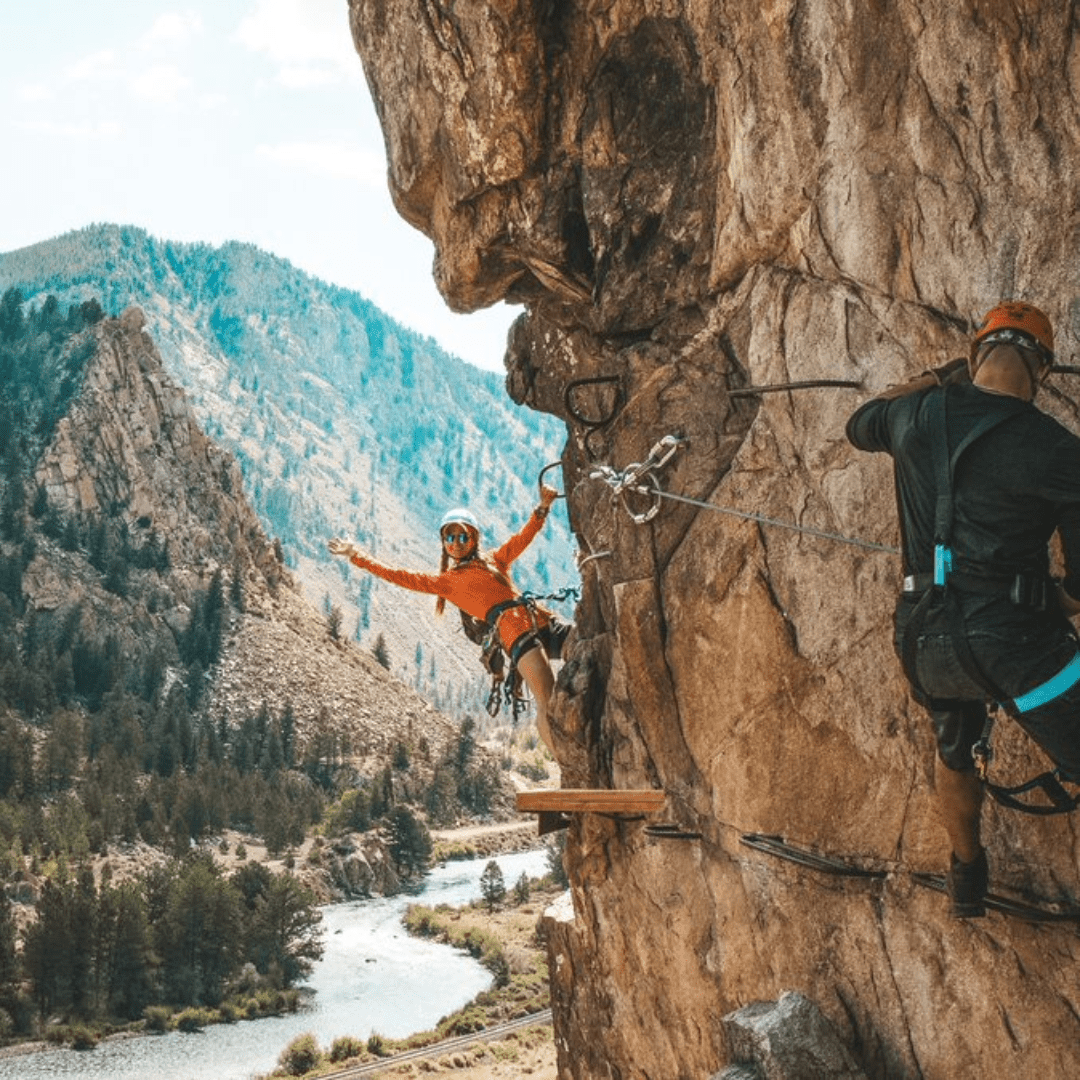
983, 480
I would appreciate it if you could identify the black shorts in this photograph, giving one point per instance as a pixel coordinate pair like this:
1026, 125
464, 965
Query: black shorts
551, 637
958, 704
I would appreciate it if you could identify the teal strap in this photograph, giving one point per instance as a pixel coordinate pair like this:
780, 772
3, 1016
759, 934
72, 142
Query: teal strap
1064, 680
942, 563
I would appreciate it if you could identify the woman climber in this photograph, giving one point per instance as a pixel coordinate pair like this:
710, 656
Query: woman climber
480, 586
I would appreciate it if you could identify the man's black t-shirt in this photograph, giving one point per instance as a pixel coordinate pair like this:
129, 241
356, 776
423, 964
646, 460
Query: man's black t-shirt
1012, 487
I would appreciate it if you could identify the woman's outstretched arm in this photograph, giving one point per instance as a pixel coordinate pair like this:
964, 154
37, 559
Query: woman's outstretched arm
407, 579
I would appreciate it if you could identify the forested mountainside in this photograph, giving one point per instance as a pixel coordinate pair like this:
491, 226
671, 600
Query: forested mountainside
162, 680
343, 422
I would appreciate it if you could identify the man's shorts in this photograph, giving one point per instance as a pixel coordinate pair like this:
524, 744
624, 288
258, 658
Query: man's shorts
958, 703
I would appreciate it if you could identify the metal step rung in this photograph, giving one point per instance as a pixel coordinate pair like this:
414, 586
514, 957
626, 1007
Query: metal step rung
1017, 909
825, 864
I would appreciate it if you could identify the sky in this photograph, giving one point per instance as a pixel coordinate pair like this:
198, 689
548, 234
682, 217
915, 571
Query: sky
216, 120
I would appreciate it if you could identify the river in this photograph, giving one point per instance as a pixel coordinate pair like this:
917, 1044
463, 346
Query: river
373, 977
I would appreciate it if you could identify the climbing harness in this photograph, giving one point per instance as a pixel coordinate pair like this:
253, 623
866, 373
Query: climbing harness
1024, 590
506, 682
1050, 783
633, 477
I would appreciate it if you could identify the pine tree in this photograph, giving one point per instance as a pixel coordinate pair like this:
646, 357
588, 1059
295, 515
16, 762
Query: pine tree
493, 885
333, 622
410, 841
380, 651
9, 964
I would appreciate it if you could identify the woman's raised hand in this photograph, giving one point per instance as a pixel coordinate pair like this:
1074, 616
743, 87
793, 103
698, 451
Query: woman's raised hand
547, 496
342, 547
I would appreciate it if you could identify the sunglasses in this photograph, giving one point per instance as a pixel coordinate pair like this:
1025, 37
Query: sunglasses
455, 538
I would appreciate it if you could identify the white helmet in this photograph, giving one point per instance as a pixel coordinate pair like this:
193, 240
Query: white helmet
460, 515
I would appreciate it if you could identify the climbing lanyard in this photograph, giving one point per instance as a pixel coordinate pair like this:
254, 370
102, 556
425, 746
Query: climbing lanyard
633, 477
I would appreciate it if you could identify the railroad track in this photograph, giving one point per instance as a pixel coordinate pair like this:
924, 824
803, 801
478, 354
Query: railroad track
447, 1046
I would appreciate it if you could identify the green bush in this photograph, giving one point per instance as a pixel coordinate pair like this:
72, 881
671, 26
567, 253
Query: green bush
156, 1017
301, 1055
82, 1038
377, 1045
193, 1019
346, 1047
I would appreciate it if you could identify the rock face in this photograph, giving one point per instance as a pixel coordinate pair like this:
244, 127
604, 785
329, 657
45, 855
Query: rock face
130, 448
689, 199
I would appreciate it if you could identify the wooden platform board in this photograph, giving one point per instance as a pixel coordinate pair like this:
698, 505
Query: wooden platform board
591, 801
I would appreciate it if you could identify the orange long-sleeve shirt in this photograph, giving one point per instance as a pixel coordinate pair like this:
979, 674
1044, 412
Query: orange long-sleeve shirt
471, 585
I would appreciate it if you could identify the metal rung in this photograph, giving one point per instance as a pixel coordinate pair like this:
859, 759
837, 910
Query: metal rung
668, 830
825, 864
1017, 909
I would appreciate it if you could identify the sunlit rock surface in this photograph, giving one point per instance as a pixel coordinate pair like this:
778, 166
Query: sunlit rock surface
690, 198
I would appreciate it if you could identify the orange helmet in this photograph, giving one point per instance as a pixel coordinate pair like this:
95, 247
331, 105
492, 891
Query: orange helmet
1016, 323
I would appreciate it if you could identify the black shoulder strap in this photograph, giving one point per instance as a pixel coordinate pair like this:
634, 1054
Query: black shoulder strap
945, 465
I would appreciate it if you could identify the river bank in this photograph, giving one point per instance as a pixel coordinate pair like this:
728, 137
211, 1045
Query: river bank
373, 979
511, 932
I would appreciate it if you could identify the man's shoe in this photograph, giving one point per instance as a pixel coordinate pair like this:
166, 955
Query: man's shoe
966, 884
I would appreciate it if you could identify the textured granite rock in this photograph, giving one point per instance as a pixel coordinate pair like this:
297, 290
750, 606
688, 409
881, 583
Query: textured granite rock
690, 198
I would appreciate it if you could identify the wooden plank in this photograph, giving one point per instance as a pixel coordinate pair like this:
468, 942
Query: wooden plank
591, 800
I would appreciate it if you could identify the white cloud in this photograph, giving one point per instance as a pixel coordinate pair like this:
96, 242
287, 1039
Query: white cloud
35, 92
212, 101
338, 160
87, 131
162, 83
309, 40
300, 77
172, 28
98, 65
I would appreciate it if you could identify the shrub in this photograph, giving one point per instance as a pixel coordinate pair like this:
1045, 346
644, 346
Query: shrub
193, 1019
156, 1017
345, 1047
241, 852
377, 1045
301, 1055
82, 1038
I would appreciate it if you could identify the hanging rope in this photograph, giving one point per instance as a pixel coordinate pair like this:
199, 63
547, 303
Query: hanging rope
633, 479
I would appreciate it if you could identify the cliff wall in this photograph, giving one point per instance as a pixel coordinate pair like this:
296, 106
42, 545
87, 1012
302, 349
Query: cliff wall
690, 198
130, 450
